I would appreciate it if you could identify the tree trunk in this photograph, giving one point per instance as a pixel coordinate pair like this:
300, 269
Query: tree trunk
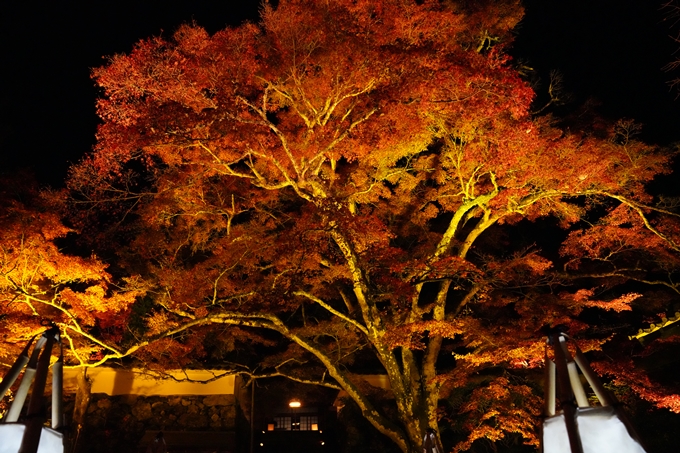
82, 402
416, 394
417, 424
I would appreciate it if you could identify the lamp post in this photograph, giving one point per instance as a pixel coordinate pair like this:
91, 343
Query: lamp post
294, 404
252, 415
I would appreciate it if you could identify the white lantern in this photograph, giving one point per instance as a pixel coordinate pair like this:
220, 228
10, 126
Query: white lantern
578, 427
12, 435
28, 435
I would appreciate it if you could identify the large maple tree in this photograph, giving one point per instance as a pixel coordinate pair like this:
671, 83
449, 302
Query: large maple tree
354, 187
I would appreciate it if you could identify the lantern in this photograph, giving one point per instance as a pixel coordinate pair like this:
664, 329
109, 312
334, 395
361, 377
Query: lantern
27, 434
578, 427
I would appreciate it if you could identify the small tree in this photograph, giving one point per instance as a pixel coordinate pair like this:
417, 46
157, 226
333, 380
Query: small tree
40, 285
355, 186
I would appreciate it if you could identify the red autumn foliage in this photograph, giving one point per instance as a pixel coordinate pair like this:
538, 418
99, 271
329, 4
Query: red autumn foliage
41, 285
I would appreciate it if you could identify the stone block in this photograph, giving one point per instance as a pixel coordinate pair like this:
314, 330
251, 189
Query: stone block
215, 421
219, 400
193, 421
142, 411
130, 400
228, 417
193, 409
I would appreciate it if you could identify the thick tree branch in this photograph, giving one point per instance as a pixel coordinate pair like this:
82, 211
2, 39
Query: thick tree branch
332, 310
639, 209
452, 229
369, 312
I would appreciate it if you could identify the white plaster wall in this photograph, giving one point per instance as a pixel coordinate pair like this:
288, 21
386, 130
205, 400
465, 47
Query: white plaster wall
113, 381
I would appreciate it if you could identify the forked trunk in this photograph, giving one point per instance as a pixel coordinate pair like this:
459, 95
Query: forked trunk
416, 395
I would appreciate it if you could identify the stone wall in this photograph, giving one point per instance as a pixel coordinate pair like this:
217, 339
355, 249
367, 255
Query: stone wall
118, 423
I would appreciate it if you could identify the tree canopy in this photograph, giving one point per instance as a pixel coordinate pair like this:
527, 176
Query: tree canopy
353, 187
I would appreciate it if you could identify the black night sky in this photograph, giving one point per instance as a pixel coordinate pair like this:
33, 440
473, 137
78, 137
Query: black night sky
610, 50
